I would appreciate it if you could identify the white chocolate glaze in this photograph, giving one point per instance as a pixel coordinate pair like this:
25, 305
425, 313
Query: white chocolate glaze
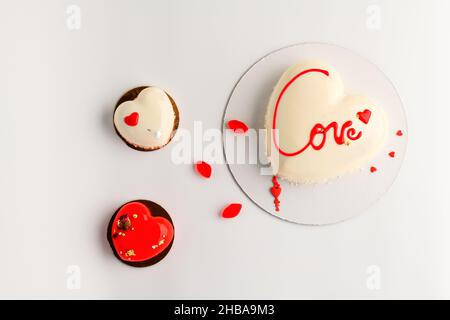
309, 98
156, 118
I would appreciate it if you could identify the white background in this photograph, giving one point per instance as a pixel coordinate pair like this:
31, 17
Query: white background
63, 170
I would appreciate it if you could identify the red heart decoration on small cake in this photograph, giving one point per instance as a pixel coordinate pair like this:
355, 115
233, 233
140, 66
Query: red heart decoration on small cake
364, 116
132, 119
137, 236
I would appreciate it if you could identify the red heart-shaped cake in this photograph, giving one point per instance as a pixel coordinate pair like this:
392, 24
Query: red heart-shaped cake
140, 233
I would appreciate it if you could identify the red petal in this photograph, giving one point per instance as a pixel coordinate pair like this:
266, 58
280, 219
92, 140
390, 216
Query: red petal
392, 154
399, 133
231, 210
237, 126
373, 169
204, 169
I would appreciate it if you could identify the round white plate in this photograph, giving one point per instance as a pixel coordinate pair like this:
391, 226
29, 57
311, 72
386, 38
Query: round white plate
338, 199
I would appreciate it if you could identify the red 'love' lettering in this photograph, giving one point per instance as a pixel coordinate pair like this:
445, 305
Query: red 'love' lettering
319, 131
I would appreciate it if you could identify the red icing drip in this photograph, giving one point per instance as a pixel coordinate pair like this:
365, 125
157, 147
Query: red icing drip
145, 238
346, 130
276, 191
232, 210
237, 126
204, 169
373, 169
132, 119
392, 154
364, 116
399, 133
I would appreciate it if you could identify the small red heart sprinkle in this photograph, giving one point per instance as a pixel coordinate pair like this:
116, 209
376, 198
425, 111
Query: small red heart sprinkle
204, 169
392, 154
231, 210
399, 133
132, 119
364, 116
276, 191
237, 126
373, 169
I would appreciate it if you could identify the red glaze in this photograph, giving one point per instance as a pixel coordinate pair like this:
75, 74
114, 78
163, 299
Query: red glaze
132, 119
392, 154
231, 210
145, 238
237, 126
203, 168
364, 116
276, 191
346, 130
373, 169
399, 133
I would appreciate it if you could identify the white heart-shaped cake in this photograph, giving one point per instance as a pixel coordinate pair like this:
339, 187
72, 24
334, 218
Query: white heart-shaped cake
148, 121
315, 130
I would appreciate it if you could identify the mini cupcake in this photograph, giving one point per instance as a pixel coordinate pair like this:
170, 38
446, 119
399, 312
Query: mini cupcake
146, 118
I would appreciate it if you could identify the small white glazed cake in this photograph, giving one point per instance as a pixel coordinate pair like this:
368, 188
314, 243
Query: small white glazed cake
146, 118
315, 130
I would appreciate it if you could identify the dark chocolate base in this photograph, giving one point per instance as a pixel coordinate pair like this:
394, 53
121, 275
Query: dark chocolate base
131, 95
157, 211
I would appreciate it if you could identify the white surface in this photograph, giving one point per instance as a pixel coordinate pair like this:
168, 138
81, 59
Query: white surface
338, 199
64, 170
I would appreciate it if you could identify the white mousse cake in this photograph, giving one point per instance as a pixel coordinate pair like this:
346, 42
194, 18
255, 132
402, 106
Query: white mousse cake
146, 118
316, 131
